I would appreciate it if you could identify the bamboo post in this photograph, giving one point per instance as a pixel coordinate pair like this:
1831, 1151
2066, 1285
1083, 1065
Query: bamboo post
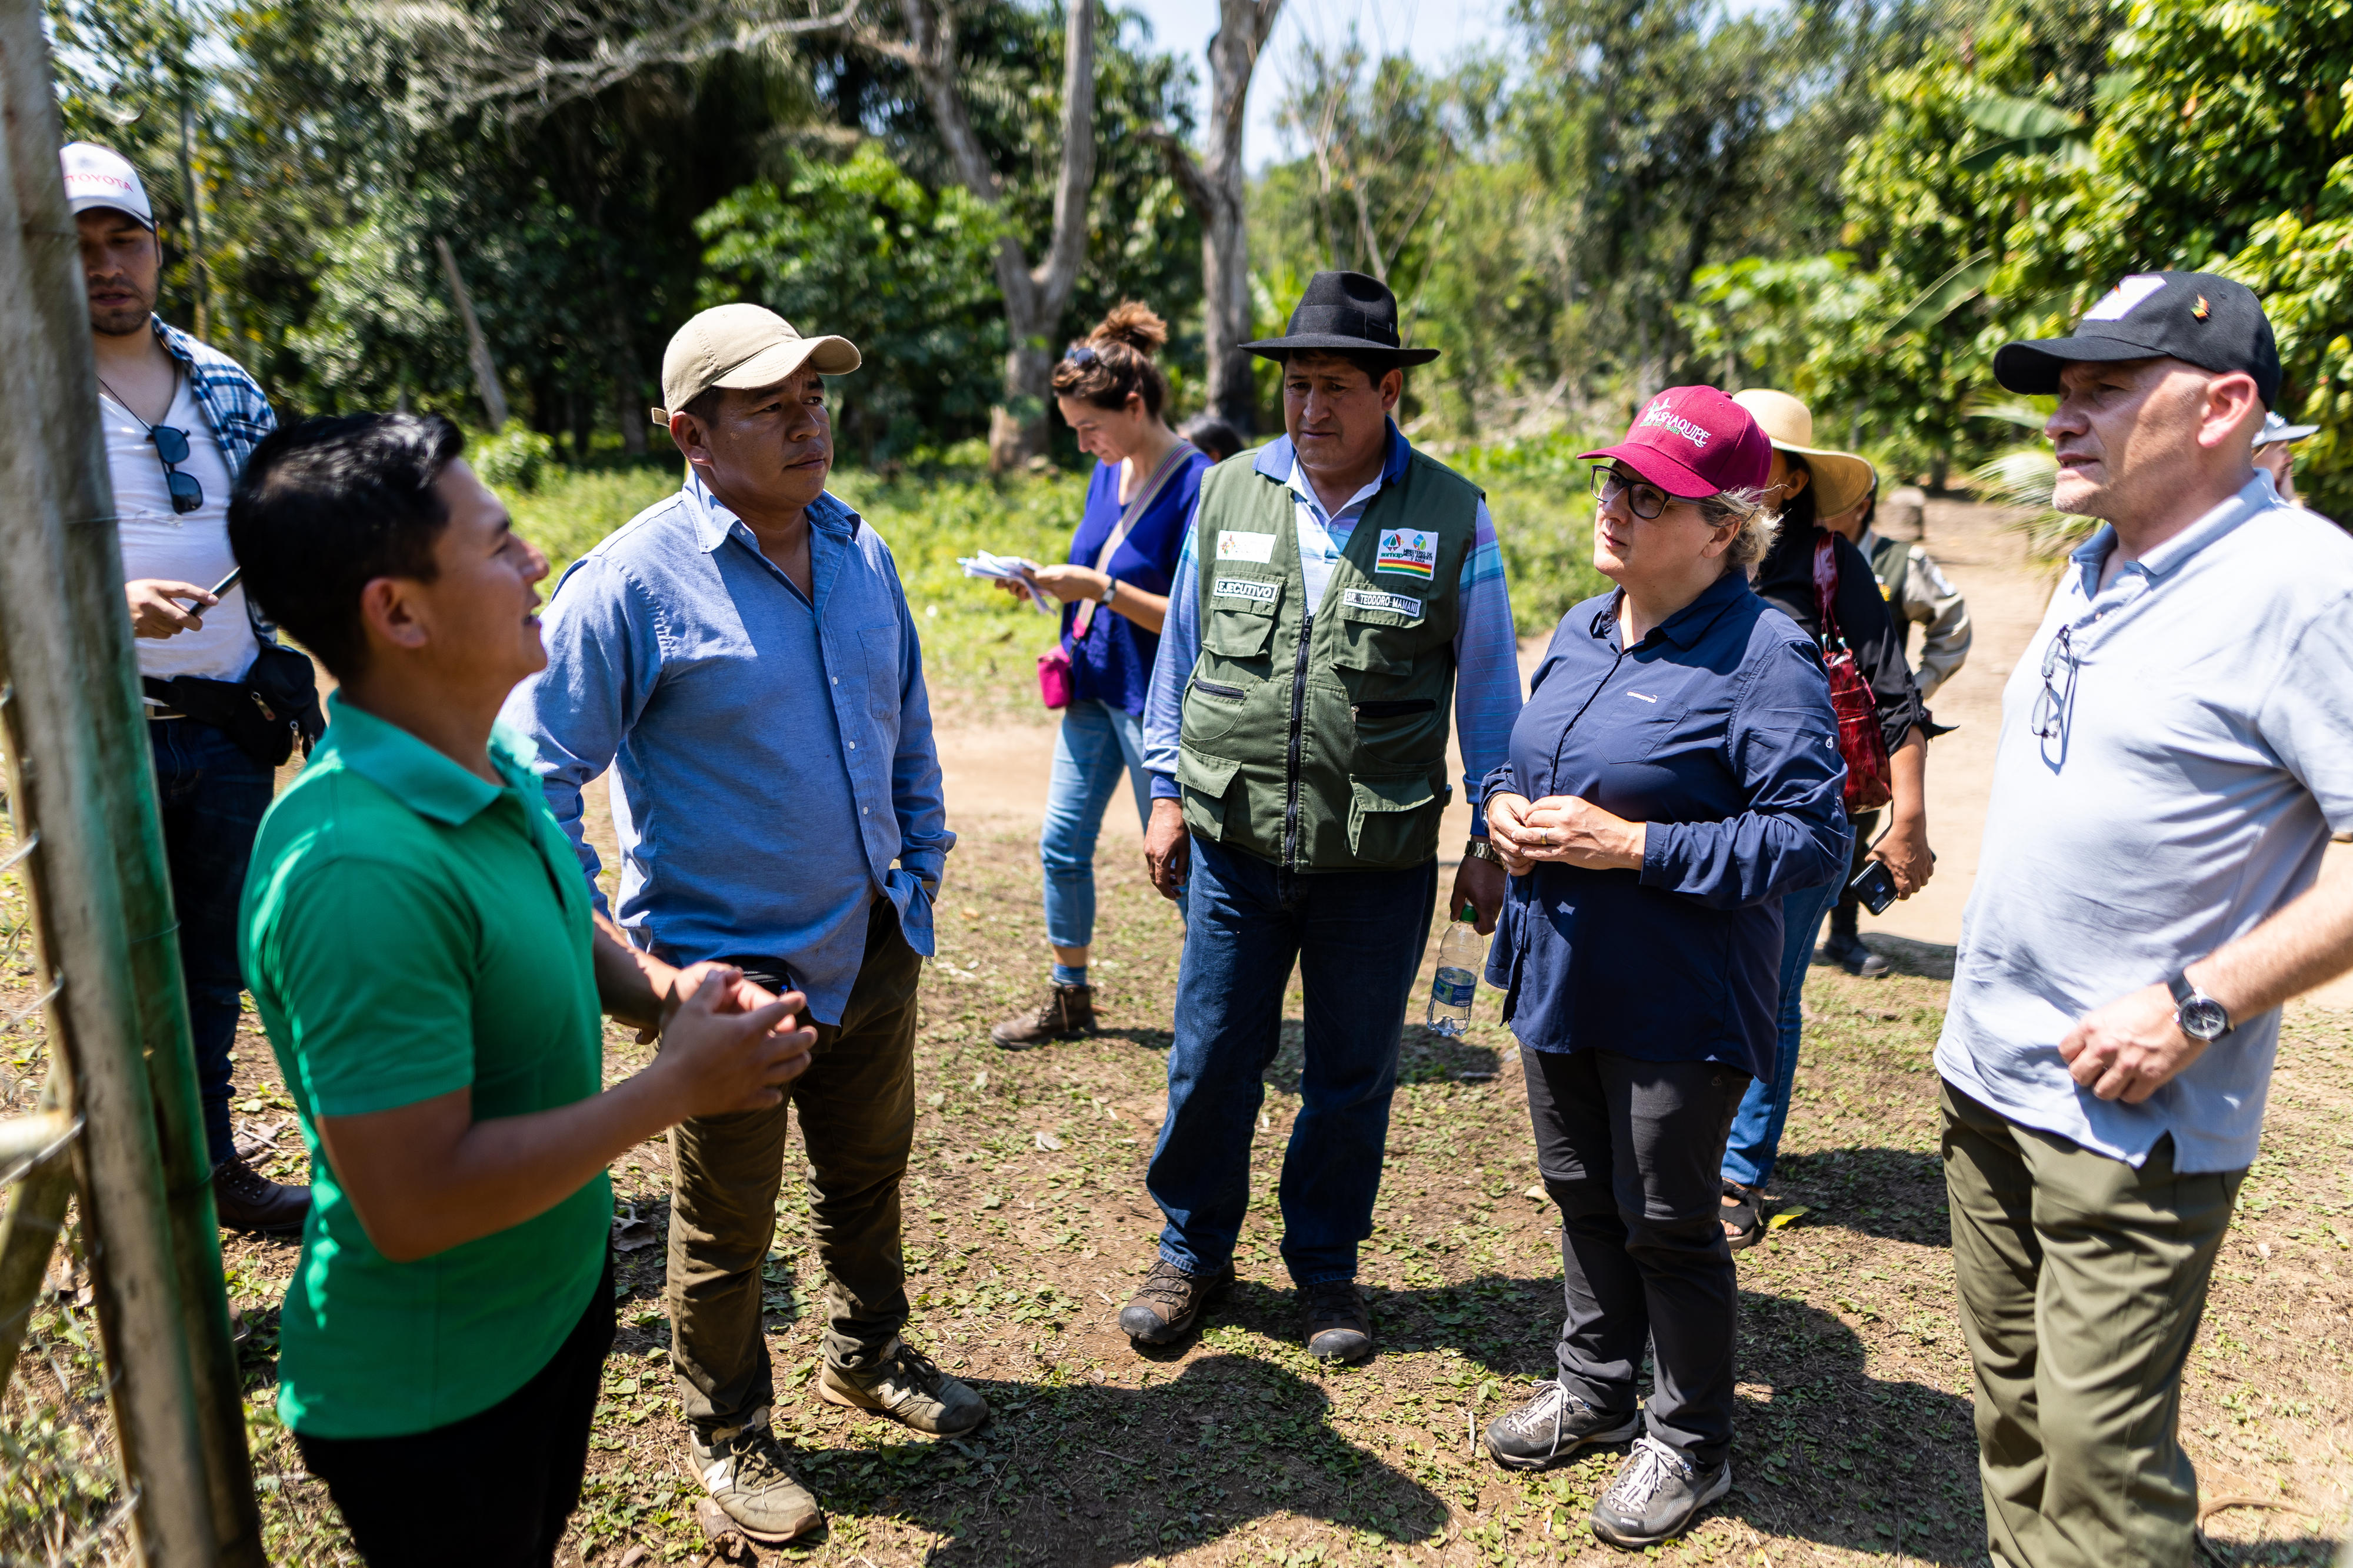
83, 782
28, 1235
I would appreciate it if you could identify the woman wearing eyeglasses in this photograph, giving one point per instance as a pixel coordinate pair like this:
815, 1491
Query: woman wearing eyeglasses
1675, 773
1114, 594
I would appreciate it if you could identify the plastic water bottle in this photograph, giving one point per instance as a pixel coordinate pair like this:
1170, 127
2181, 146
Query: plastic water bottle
1460, 952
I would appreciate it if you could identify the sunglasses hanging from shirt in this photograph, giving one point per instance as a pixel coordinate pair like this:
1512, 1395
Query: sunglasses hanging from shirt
172, 446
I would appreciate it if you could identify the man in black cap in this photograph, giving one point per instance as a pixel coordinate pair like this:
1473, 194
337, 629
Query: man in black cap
1336, 590
2177, 745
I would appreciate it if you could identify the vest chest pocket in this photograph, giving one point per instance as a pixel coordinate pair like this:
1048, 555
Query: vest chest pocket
1242, 614
1378, 632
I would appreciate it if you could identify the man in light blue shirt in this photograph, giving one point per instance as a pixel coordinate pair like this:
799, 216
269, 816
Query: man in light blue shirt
741, 656
2177, 746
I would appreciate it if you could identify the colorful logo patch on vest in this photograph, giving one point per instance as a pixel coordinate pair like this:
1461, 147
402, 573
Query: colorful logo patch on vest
1411, 550
1395, 604
1233, 544
1244, 588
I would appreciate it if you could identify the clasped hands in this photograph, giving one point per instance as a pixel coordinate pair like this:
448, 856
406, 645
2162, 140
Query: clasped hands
1562, 828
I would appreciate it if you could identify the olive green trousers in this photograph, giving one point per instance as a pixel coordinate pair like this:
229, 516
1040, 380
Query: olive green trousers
2082, 1281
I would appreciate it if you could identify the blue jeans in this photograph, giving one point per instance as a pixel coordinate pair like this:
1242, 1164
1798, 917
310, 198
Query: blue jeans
1357, 938
1096, 744
211, 796
1756, 1142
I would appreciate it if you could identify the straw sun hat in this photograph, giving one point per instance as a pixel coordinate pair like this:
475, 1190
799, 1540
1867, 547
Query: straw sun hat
1840, 479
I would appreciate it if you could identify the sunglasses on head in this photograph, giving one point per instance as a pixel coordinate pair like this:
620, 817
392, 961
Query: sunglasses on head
172, 446
1081, 354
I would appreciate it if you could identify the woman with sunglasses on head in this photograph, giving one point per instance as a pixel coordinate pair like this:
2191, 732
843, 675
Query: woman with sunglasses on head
1114, 594
1811, 486
1674, 774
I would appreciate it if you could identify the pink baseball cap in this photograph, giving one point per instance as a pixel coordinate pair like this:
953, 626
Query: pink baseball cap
1694, 441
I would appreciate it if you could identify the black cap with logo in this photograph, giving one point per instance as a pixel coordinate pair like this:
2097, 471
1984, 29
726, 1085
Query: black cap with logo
2201, 318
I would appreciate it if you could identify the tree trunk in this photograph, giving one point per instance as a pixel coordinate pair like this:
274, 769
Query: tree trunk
1215, 190
477, 347
1035, 296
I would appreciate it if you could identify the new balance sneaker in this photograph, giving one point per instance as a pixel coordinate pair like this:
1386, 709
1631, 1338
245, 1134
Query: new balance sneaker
742, 1468
1553, 1426
1169, 1301
1339, 1324
1656, 1495
910, 1388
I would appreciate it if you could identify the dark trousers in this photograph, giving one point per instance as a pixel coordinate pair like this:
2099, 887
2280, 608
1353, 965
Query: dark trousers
1630, 1152
1846, 915
1357, 938
857, 1102
212, 797
494, 1490
2082, 1281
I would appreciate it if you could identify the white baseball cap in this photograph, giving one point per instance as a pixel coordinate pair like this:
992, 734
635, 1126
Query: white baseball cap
96, 177
2278, 429
743, 346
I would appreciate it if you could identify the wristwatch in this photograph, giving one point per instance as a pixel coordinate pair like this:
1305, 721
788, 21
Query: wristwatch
1480, 849
1111, 589
2200, 1016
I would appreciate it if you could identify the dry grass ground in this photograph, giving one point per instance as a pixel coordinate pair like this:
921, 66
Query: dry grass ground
1026, 1222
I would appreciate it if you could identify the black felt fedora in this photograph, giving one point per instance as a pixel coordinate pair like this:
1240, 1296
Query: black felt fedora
1344, 312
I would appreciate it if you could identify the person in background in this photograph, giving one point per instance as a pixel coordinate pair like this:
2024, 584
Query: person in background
180, 421
1114, 594
1918, 593
1674, 782
1805, 480
2177, 745
2275, 451
1213, 436
424, 961
1334, 593
741, 656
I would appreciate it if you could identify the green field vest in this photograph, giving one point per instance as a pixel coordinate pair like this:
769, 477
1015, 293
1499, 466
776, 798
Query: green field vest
1318, 740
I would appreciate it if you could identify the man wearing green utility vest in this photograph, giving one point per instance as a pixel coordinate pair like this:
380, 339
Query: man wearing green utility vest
1335, 589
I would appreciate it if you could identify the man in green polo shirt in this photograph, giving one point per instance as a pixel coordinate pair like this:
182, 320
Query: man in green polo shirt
419, 944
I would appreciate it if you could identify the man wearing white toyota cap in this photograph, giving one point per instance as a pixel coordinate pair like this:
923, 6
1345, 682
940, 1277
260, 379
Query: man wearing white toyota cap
179, 419
2275, 451
741, 656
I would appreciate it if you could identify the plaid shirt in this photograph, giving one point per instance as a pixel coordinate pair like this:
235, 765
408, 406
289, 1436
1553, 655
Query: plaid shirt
232, 401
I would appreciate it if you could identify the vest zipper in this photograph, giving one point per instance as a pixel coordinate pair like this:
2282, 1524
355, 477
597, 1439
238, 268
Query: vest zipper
1290, 771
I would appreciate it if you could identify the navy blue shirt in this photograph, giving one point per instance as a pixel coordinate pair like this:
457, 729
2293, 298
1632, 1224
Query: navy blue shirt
1717, 730
1113, 663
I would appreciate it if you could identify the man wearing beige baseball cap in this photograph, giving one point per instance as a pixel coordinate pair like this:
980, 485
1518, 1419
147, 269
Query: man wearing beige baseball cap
742, 657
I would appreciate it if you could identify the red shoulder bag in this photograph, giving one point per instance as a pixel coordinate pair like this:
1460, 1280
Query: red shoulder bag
1860, 743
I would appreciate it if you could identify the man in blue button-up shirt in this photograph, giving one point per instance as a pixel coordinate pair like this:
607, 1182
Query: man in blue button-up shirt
742, 657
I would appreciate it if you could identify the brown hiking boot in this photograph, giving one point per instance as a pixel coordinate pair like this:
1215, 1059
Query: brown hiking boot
1069, 1012
1168, 1302
245, 1199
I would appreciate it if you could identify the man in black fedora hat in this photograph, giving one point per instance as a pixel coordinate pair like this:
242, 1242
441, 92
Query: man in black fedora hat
1336, 588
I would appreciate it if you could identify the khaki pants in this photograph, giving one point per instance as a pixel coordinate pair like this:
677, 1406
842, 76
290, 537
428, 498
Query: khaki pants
2082, 1281
857, 1103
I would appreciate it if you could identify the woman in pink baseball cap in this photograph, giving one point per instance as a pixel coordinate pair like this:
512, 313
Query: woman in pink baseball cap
1674, 773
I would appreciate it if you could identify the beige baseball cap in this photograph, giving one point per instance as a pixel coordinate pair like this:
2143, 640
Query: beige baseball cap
744, 346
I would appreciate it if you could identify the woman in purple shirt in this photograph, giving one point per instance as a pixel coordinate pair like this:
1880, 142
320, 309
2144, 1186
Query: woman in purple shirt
1114, 595
1674, 773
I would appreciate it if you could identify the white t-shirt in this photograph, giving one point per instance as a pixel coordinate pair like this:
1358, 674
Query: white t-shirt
2186, 792
190, 548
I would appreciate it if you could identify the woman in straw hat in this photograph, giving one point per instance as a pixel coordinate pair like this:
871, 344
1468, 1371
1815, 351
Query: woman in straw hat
1807, 483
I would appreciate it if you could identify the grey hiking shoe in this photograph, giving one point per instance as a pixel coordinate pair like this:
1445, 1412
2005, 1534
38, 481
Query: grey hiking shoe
908, 1388
1553, 1426
742, 1468
1169, 1301
1656, 1495
1339, 1325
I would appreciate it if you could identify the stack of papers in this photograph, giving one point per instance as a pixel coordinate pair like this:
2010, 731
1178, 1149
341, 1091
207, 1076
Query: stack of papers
1007, 568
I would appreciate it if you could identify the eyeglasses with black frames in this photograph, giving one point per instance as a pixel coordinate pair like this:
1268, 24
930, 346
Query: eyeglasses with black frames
1646, 500
172, 446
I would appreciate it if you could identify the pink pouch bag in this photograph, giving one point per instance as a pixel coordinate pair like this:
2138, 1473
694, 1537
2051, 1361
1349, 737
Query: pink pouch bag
1054, 677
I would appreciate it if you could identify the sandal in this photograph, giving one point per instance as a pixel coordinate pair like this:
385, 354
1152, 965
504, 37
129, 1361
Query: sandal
1744, 1216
